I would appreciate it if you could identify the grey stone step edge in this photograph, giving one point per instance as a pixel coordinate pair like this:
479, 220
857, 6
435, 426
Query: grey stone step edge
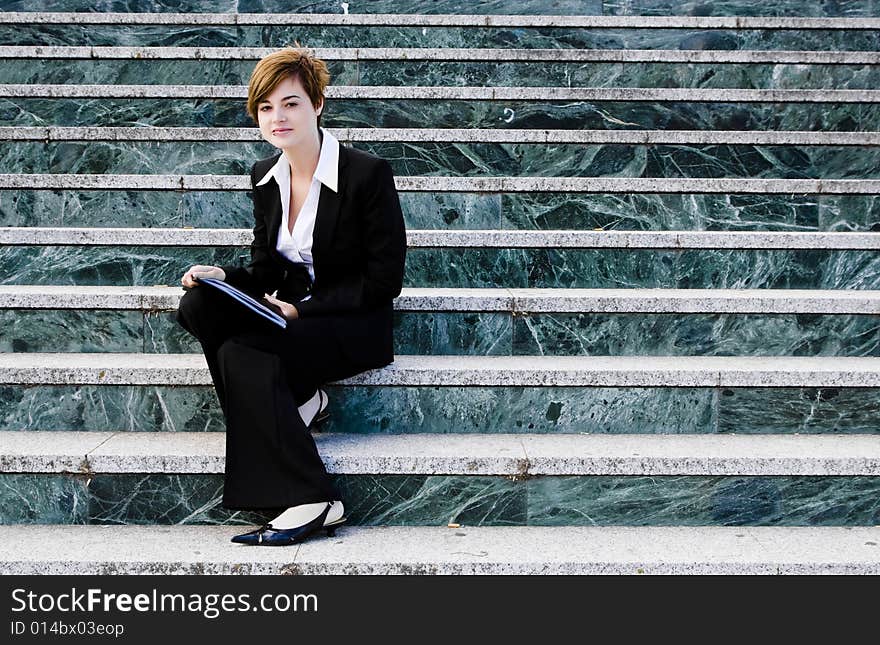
451, 135
462, 93
440, 20
406, 54
39, 368
423, 184
512, 301
513, 455
460, 238
445, 550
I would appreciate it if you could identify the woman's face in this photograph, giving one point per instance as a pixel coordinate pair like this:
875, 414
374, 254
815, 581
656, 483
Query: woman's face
287, 117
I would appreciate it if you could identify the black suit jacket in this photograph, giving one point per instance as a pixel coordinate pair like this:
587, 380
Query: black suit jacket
358, 254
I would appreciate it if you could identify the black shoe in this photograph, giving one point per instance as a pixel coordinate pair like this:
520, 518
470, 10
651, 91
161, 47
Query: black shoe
268, 536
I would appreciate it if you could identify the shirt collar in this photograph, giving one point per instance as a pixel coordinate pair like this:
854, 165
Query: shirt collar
327, 171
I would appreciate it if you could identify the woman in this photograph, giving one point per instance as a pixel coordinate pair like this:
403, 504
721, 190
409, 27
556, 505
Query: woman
329, 237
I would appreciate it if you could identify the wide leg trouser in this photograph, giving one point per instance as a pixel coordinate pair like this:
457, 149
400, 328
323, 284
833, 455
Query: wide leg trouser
261, 374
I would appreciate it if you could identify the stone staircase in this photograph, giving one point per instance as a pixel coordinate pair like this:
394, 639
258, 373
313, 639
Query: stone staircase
640, 331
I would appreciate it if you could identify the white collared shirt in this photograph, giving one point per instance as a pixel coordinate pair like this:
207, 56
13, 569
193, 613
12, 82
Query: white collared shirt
297, 246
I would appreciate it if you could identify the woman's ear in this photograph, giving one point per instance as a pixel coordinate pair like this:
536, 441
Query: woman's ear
320, 107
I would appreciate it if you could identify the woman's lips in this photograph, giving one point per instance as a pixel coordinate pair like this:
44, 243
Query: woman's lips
281, 131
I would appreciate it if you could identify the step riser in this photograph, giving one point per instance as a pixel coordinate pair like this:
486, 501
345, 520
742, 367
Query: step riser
72, 208
379, 36
467, 159
452, 409
434, 333
432, 500
403, 113
446, 73
480, 267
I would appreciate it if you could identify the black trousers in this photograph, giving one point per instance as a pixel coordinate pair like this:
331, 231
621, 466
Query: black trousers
261, 374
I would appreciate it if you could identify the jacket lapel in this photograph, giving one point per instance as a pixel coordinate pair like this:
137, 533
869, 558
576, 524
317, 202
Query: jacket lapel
272, 197
329, 204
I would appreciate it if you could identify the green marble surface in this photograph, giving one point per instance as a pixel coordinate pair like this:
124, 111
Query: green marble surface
486, 333
528, 211
202, 209
468, 500
412, 113
480, 267
456, 73
451, 409
463, 159
834, 9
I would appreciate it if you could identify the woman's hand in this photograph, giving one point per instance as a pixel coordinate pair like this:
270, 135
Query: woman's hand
201, 271
287, 309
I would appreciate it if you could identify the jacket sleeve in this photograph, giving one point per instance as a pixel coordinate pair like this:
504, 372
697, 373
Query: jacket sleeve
262, 275
380, 278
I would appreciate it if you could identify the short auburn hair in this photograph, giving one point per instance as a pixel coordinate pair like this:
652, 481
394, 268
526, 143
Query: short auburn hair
290, 62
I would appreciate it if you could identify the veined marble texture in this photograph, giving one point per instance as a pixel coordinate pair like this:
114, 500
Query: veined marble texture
54, 499
452, 409
527, 211
468, 500
204, 209
568, 7
690, 212
836, 8
97, 408
486, 334
129, 265
411, 113
647, 268
479, 267
696, 334
464, 159
448, 73
694, 501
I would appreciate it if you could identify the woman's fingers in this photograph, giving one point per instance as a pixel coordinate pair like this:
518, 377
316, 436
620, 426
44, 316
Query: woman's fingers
201, 271
287, 309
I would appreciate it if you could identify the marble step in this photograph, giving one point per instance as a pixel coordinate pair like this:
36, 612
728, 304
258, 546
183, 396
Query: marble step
456, 93
404, 54
472, 160
850, 35
653, 185
513, 301
437, 550
456, 408
467, 238
596, 66
445, 371
480, 20
544, 112
550, 322
482, 479
453, 135
93, 453
612, 214
455, 267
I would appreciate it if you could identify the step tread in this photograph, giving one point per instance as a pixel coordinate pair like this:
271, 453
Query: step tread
454, 93
446, 135
490, 184
480, 238
459, 454
443, 370
156, 298
94, 549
